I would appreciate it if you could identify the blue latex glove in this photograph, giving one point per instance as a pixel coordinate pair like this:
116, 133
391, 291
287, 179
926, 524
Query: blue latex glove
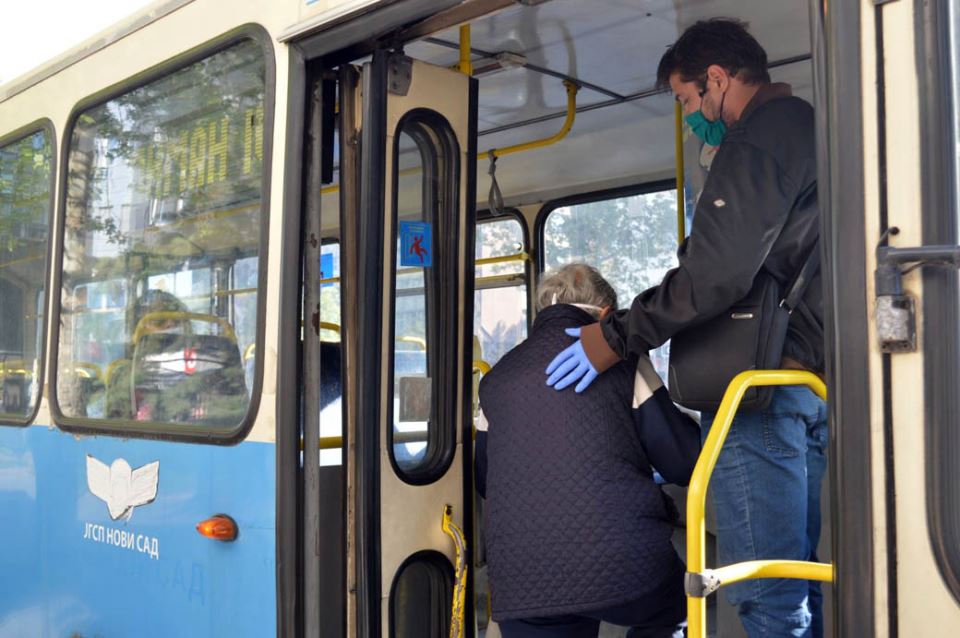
571, 365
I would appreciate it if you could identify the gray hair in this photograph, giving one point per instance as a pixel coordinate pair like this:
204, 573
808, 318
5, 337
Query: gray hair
576, 284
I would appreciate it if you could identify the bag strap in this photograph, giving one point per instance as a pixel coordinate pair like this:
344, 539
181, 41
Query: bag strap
807, 272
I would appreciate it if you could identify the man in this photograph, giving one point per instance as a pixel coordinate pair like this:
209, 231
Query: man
577, 530
758, 209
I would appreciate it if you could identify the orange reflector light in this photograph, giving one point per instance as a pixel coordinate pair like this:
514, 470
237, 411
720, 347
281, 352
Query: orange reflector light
220, 527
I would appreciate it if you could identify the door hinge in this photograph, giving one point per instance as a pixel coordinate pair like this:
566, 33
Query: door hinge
896, 310
399, 74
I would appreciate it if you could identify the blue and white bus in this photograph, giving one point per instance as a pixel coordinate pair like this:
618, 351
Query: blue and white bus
253, 262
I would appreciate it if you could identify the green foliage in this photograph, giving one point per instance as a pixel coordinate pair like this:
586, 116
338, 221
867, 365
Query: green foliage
632, 240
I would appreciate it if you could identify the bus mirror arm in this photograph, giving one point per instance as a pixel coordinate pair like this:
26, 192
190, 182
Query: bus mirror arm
896, 310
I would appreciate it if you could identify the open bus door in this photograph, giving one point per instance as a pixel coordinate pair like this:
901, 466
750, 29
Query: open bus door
413, 429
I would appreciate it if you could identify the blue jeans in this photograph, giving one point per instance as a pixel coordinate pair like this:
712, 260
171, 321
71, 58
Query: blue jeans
766, 490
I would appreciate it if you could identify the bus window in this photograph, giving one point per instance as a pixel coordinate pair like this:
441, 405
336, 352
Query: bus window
331, 382
500, 292
25, 181
424, 366
161, 246
630, 239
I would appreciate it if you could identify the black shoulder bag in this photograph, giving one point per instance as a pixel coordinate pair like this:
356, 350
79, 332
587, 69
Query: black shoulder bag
748, 336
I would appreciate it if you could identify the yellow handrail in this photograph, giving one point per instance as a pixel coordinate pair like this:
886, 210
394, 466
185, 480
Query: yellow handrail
710, 580
87, 370
460, 572
112, 367
572, 89
481, 366
178, 315
417, 341
465, 66
326, 325
547, 141
486, 261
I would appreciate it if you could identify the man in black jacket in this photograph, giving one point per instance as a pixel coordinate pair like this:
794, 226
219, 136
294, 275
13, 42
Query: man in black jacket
577, 529
758, 210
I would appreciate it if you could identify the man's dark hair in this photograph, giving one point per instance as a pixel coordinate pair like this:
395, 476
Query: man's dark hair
721, 41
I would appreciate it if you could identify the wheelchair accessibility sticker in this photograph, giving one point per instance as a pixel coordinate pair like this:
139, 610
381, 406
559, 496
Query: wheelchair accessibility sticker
416, 244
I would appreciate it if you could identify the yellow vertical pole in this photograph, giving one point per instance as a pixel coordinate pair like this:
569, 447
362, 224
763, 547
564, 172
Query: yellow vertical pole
465, 66
678, 153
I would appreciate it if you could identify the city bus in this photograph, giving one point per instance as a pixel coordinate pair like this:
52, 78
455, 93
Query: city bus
255, 257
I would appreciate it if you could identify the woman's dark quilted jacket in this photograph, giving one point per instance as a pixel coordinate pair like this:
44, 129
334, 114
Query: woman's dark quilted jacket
574, 520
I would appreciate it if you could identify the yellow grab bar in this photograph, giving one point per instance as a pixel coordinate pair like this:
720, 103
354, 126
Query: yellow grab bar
547, 141
460, 587
465, 66
399, 438
177, 315
331, 442
326, 325
713, 579
486, 261
572, 89
417, 341
481, 366
699, 583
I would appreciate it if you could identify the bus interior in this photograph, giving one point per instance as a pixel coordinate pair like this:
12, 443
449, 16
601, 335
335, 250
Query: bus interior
576, 153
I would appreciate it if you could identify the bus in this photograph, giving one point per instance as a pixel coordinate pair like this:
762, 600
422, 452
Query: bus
254, 258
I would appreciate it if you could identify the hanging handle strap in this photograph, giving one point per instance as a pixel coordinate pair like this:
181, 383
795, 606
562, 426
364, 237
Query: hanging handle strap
495, 197
810, 267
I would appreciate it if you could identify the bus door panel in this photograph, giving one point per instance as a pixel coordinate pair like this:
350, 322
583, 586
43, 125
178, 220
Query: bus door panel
416, 232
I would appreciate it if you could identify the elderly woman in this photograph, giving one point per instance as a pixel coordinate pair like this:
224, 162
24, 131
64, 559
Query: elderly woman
577, 529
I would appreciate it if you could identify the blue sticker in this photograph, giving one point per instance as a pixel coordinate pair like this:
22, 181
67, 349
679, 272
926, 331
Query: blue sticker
416, 244
326, 268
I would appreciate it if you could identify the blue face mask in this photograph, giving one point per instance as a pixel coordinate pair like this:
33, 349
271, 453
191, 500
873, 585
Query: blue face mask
710, 132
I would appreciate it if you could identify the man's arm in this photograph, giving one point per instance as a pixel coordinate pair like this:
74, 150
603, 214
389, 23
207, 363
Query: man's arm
740, 214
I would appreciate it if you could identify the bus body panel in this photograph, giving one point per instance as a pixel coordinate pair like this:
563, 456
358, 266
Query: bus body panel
72, 570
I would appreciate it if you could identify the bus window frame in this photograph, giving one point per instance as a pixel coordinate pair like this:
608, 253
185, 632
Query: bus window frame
127, 428
540, 223
941, 301
485, 216
46, 125
439, 455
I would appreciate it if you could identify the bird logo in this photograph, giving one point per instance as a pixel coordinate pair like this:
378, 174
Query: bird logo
121, 487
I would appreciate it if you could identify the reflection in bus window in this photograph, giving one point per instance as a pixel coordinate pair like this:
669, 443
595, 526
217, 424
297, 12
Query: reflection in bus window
631, 240
161, 248
25, 171
500, 292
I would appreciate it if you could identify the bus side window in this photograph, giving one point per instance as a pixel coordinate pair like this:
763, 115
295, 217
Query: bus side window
25, 187
500, 291
633, 258
160, 284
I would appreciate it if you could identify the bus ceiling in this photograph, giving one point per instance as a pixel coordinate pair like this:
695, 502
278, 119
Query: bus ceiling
625, 127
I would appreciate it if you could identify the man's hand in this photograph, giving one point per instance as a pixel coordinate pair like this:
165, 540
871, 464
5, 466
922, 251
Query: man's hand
571, 365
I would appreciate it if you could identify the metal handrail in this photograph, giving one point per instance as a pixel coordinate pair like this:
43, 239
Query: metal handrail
458, 607
179, 315
701, 582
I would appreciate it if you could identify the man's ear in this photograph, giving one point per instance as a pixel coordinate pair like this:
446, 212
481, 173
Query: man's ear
718, 76
606, 310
